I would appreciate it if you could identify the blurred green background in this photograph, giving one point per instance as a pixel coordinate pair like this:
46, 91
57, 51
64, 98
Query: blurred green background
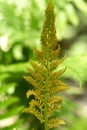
21, 22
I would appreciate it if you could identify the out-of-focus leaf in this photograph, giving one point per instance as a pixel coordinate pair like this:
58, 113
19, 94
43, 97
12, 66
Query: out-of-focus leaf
8, 101
77, 68
4, 88
81, 5
71, 14
12, 112
18, 125
11, 68
3, 77
61, 25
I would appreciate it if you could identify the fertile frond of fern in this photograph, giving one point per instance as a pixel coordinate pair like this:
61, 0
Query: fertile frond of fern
44, 75
54, 122
35, 112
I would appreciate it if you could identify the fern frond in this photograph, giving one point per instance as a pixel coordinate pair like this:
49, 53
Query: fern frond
55, 99
58, 89
32, 92
54, 64
44, 74
41, 56
36, 75
54, 54
38, 67
55, 90
33, 82
56, 74
53, 108
35, 112
36, 94
54, 104
54, 122
56, 83
36, 103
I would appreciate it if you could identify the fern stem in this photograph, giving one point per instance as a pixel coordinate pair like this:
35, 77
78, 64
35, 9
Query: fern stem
46, 110
46, 92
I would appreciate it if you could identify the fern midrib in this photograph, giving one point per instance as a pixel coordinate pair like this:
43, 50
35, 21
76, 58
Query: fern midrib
46, 90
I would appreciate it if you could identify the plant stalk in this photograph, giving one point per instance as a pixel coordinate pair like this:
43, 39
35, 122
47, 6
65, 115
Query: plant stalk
46, 92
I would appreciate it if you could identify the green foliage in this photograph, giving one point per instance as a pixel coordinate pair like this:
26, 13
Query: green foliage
77, 68
20, 24
11, 102
81, 124
67, 13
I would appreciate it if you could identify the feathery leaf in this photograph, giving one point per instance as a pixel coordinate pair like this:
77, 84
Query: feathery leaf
44, 74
